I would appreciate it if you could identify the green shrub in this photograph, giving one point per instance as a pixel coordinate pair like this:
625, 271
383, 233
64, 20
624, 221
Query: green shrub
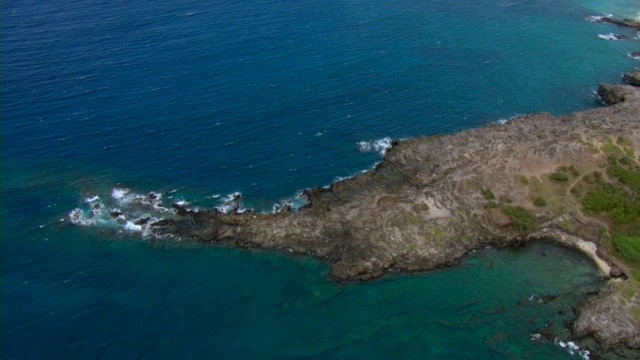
593, 178
523, 219
522, 179
628, 247
623, 141
412, 218
610, 148
574, 171
612, 200
628, 177
625, 160
631, 152
539, 201
558, 176
577, 190
488, 194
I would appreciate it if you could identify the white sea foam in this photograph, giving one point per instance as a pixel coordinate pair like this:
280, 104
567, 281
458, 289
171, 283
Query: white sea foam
294, 203
574, 349
379, 146
230, 203
90, 217
124, 209
119, 193
598, 18
506, 120
611, 36
634, 56
132, 227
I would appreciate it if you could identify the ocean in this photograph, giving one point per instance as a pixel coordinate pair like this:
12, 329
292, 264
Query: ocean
196, 100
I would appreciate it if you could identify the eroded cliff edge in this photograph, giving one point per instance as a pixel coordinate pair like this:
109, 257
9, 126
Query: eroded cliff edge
433, 199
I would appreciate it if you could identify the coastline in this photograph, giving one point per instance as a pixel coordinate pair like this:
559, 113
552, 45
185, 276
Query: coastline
432, 200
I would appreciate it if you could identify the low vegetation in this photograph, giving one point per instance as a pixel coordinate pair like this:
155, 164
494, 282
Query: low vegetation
615, 198
539, 201
558, 176
488, 194
628, 177
522, 179
605, 197
523, 219
628, 247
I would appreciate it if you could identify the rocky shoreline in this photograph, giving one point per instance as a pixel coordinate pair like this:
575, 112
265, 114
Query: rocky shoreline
630, 23
432, 200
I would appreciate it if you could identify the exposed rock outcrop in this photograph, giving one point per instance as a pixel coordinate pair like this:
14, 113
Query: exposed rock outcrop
606, 316
630, 23
433, 199
422, 206
632, 77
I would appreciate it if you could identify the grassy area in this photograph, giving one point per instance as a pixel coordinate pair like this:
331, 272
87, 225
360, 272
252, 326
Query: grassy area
626, 176
522, 179
605, 197
551, 192
615, 198
539, 201
628, 247
558, 176
488, 194
623, 141
523, 219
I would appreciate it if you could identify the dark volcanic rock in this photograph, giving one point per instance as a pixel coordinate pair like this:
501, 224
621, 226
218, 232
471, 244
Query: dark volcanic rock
632, 78
613, 94
141, 221
421, 207
546, 332
606, 316
630, 23
547, 298
424, 206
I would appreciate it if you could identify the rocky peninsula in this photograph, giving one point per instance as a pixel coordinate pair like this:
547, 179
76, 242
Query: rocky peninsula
431, 200
573, 180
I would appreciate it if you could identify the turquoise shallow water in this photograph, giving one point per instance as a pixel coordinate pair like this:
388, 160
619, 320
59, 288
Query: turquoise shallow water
196, 100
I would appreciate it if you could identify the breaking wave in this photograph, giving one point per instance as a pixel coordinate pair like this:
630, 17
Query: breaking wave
598, 18
128, 211
573, 349
379, 146
612, 36
132, 212
506, 120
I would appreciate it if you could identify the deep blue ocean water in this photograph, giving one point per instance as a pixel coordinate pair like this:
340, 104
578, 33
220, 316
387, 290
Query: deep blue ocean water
197, 99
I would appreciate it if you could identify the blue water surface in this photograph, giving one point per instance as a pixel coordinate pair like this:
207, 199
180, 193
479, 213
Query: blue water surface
203, 98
